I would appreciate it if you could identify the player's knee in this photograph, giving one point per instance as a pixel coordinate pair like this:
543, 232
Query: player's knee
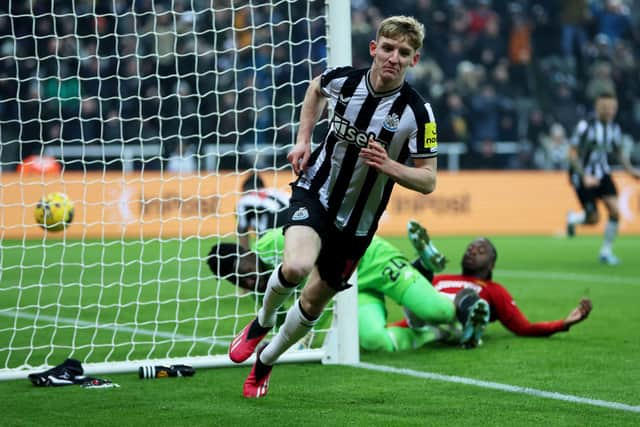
312, 304
296, 271
592, 218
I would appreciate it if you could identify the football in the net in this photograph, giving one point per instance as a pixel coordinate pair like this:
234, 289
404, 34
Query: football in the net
54, 212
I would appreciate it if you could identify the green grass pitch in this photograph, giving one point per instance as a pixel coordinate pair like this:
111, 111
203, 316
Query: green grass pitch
589, 376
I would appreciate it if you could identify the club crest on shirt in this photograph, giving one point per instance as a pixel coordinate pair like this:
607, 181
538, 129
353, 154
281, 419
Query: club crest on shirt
343, 99
391, 122
430, 136
301, 214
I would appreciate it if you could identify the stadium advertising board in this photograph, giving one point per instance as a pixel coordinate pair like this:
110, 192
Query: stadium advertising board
154, 204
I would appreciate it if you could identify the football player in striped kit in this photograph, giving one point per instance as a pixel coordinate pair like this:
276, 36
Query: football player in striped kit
259, 209
590, 172
378, 123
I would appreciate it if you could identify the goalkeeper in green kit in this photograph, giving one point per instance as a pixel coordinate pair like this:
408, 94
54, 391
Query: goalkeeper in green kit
383, 272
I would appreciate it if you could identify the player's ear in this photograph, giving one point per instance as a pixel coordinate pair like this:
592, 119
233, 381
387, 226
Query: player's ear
415, 59
372, 48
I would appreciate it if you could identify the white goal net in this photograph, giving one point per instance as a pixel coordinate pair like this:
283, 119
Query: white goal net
154, 113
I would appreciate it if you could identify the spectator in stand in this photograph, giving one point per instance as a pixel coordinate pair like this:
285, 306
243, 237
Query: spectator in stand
600, 79
546, 32
468, 78
90, 120
480, 15
564, 107
574, 19
485, 111
182, 160
624, 73
456, 53
553, 151
600, 50
613, 20
159, 38
520, 51
112, 128
454, 120
505, 89
33, 128
490, 47
427, 77
537, 127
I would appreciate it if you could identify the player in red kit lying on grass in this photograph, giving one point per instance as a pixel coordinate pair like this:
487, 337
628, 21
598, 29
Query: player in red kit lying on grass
478, 263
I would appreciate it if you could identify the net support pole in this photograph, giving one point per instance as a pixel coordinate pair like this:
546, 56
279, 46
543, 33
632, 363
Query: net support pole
342, 346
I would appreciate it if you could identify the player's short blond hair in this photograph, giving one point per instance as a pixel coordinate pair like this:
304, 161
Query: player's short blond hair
396, 27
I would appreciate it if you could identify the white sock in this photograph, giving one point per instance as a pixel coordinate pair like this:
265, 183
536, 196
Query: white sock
295, 326
576, 217
610, 233
274, 296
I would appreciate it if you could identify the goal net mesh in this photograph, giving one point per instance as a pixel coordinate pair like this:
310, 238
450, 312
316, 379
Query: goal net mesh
155, 112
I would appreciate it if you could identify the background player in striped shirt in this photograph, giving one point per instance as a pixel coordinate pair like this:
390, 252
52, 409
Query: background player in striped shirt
259, 209
378, 123
590, 172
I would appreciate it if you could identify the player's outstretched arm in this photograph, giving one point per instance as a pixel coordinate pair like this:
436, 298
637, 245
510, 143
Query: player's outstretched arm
579, 313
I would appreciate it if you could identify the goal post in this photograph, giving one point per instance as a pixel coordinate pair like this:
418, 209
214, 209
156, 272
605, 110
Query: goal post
344, 345
153, 118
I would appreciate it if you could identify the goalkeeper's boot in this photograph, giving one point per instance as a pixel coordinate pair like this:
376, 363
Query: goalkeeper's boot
257, 383
473, 313
450, 332
431, 258
243, 346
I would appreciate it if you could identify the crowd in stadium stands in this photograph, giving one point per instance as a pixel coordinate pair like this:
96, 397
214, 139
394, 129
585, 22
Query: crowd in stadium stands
523, 71
182, 74
160, 71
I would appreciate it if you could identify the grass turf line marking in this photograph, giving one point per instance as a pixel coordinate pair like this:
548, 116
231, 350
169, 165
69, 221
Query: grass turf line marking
498, 386
112, 327
362, 365
568, 276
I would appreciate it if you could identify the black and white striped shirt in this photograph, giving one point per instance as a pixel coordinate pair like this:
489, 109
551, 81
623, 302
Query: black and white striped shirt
594, 140
354, 194
262, 210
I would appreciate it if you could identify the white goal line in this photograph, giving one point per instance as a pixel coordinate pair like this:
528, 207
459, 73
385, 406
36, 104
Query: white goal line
362, 365
498, 386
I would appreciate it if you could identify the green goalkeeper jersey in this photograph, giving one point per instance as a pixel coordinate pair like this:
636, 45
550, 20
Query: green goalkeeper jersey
383, 272
270, 247
380, 269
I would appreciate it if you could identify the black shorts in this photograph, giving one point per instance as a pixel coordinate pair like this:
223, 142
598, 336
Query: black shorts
340, 252
588, 196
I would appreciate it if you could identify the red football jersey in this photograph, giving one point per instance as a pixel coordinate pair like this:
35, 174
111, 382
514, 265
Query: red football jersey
503, 307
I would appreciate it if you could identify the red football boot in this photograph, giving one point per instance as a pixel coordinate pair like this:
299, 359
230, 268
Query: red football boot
257, 383
243, 346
